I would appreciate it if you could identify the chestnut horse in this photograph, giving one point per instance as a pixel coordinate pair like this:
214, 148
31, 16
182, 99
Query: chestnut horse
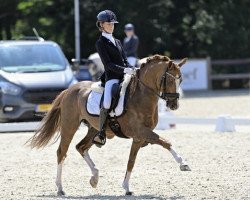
158, 77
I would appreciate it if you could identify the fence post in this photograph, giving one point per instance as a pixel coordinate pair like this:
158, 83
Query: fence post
224, 124
209, 72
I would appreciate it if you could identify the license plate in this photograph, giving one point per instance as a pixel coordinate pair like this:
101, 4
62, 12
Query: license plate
43, 107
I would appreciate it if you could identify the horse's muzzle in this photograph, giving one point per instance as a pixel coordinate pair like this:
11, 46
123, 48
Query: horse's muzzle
173, 104
172, 100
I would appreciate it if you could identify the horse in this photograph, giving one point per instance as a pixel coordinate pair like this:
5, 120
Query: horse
158, 77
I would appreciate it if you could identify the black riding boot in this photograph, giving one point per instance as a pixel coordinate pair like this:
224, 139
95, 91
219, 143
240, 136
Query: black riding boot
100, 137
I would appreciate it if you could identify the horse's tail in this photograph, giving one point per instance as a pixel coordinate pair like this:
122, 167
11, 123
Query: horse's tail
51, 124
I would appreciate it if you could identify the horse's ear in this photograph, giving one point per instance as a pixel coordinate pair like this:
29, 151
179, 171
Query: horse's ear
170, 63
183, 61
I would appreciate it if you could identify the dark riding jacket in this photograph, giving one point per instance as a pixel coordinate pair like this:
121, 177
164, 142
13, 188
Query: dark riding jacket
113, 58
130, 46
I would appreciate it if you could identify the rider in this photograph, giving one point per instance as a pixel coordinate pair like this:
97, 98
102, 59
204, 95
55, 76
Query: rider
115, 66
130, 44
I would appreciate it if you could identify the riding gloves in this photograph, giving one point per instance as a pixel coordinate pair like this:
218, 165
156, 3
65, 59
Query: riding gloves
129, 71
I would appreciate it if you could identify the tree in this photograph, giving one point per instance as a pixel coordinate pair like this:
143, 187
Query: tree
175, 28
8, 17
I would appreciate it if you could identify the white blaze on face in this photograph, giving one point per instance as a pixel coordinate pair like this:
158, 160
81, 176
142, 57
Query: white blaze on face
177, 83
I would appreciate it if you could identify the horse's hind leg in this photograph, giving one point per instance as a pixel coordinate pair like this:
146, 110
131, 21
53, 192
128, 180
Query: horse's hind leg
82, 147
136, 145
67, 134
153, 138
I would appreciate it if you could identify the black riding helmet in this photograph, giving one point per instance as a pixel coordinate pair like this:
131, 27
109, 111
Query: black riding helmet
129, 27
106, 16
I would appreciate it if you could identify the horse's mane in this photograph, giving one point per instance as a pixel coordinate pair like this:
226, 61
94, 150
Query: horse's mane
151, 59
155, 58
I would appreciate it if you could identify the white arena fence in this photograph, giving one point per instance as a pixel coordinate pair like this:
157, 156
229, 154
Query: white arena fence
222, 123
18, 127
166, 119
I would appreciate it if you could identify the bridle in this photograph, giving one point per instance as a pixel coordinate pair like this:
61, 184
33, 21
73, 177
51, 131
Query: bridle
165, 95
163, 85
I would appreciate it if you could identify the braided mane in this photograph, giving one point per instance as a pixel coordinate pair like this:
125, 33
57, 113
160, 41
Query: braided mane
155, 58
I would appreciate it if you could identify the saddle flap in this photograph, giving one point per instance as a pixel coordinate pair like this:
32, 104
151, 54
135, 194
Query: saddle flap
116, 128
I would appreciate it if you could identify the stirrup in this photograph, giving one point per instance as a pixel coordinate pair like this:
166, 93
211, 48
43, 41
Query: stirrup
101, 137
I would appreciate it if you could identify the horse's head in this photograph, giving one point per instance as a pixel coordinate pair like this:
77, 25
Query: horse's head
165, 78
170, 83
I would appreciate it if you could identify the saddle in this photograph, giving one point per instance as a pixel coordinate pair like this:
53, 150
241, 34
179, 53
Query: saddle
112, 122
119, 94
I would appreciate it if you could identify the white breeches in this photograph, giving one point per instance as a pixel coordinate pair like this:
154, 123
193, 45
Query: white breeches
132, 60
107, 93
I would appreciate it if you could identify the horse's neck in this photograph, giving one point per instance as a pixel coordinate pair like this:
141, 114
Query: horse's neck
145, 97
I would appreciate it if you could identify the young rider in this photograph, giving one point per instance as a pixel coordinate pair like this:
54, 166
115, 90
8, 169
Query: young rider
115, 65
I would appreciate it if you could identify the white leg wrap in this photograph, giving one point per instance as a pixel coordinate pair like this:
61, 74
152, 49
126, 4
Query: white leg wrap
177, 157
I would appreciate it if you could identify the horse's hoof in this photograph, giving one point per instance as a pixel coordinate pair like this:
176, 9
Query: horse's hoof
98, 145
93, 181
185, 168
60, 193
129, 193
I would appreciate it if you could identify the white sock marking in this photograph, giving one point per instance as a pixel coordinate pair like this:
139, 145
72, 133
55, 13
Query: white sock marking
90, 163
59, 177
125, 184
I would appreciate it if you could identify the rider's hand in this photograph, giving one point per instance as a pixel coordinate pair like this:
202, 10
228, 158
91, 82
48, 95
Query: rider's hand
129, 71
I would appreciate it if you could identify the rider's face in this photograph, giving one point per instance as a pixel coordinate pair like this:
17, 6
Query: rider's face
129, 33
108, 27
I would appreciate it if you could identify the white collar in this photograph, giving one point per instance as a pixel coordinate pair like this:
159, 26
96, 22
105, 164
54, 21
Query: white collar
109, 36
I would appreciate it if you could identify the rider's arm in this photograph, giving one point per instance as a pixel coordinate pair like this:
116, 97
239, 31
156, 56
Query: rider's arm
106, 59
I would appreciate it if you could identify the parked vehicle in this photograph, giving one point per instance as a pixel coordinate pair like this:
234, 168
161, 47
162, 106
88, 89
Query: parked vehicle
32, 74
82, 73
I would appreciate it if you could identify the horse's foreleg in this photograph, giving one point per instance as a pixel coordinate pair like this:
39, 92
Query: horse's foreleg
82, 147
183, 165
153, 138
136, 145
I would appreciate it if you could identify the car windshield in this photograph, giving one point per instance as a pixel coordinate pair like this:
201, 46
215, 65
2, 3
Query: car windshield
28, 58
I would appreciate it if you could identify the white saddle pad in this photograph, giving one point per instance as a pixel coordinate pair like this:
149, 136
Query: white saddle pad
94, 98
93, 104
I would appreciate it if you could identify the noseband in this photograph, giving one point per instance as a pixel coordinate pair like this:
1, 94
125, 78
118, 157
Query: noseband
163, 85
164, 95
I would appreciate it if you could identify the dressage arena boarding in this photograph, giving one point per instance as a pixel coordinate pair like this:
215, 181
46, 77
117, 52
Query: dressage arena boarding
220, 161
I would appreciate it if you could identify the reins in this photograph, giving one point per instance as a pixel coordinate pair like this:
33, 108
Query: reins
163, 95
